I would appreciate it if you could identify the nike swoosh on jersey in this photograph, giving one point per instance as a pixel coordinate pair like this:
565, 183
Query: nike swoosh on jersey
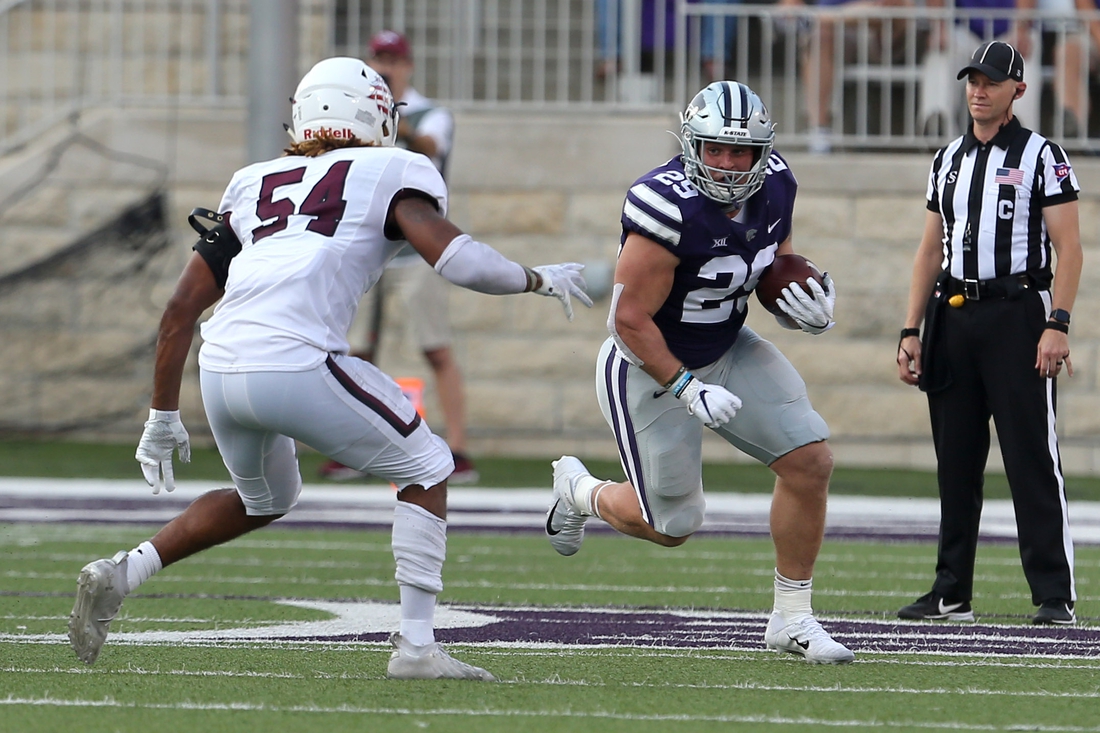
946, 608
550, 517
773, 226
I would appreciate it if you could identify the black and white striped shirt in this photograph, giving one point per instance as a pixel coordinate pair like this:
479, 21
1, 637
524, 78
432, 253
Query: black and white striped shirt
991, 198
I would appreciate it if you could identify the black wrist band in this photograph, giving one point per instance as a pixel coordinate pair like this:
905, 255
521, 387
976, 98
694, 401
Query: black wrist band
679, 373
1056, 326
906, 333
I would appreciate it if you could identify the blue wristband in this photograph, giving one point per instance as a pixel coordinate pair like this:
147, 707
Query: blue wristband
682, 383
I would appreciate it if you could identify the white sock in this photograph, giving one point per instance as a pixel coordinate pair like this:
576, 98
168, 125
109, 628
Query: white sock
584, 495
417, 615
142, 563
792, 597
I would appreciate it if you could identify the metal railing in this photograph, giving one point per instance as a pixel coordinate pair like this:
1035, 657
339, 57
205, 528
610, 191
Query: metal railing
891, 83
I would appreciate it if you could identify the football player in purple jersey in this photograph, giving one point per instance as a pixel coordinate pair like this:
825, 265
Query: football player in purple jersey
697, 232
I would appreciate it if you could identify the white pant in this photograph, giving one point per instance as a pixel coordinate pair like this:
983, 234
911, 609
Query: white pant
345, 408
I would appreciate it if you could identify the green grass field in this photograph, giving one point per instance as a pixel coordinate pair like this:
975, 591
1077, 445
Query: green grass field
164, 669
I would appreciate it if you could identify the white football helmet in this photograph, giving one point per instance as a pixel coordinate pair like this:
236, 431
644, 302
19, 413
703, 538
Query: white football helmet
727, 112
343, 97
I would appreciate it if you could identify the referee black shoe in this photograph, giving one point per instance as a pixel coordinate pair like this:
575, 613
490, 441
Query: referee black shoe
1055, 611
932, 606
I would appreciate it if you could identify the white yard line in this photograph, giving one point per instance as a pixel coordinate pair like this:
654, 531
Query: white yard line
557, 681
544, 714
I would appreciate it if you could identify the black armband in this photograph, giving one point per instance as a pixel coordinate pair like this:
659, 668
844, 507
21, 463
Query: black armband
1057, 326
679, 373
218, 245
906, 333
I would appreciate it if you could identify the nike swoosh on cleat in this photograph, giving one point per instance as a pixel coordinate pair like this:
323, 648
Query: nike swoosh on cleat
550, 517
948, 608
803, 644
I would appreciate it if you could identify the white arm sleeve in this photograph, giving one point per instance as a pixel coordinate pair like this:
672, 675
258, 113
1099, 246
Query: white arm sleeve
475, 265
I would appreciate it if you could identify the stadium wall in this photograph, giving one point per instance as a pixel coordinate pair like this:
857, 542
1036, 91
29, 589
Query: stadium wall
542, 187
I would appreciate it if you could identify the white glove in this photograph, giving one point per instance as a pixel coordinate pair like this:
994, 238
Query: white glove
163, 433
562, 281
813, 312
787, 323
712, 404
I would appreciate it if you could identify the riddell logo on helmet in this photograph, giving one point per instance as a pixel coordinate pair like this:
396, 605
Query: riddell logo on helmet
329, 132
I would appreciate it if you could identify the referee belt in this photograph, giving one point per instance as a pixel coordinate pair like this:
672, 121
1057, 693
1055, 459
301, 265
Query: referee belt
1006, 286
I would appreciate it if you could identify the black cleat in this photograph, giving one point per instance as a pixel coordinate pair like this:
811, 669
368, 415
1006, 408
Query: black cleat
1055, 611
931, 606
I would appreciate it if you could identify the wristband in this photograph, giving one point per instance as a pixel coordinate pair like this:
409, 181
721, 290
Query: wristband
682, 383
906, 333
677, 375
1056, 326
532, 279
164, 415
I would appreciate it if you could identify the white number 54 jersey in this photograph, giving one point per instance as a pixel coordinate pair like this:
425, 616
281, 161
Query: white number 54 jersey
312, 242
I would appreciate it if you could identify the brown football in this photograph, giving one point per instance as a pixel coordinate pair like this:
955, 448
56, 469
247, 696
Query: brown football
785, 270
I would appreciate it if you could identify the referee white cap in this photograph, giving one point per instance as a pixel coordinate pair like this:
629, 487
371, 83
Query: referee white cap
997, 60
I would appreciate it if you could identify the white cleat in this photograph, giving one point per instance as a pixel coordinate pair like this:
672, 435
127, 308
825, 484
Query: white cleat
99, 592
807, 639
429, 662
564, 526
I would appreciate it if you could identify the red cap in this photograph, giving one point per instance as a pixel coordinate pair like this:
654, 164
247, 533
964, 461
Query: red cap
389, 42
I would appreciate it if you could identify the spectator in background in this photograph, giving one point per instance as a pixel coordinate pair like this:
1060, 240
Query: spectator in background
1071, 61
655, 16
819, 62
427, 128
1064, 39
715, 37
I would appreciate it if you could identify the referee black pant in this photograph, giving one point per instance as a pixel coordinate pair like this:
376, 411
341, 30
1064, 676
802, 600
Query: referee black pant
990, 347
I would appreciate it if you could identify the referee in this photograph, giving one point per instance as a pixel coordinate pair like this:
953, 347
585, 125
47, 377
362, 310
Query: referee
996, 314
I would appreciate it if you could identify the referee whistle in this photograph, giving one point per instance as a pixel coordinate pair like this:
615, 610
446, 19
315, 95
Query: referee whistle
956, 301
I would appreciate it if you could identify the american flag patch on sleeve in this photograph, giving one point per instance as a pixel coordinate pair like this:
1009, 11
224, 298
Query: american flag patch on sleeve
1011, 176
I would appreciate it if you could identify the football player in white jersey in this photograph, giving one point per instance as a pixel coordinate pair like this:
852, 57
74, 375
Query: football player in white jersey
307, 234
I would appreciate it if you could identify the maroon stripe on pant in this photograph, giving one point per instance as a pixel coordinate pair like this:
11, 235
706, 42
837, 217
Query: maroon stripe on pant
404, 429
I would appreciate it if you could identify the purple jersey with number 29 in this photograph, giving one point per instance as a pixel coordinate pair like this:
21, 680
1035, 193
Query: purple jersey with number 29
721, 259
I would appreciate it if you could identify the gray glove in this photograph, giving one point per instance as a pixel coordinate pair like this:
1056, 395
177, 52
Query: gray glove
561, 282
163, 433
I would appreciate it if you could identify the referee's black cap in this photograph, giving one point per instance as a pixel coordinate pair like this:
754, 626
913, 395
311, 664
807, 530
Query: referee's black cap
997, 60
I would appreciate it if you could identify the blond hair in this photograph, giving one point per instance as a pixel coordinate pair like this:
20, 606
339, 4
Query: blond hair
323, 144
